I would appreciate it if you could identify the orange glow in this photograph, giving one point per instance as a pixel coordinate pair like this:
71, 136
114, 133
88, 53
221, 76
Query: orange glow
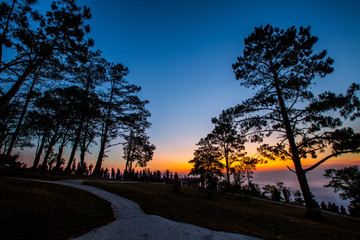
274, 165
181, 165
174, 164
346, 160
176, 160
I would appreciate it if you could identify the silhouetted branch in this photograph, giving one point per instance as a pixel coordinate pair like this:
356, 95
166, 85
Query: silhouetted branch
290, 169
115, 144
327, 158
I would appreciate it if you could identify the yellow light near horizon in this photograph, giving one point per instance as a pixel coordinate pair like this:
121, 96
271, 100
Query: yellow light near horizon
350, 159
173, 164
346, 160
179, 162
274, 165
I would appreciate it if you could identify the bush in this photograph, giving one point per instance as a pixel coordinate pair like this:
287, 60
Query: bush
354, 210
10, 161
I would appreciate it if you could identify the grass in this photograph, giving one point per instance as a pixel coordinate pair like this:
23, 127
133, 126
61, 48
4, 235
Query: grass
37, 210
227, 213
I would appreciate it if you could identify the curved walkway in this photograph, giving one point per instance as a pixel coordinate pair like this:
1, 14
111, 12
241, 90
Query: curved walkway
132, 223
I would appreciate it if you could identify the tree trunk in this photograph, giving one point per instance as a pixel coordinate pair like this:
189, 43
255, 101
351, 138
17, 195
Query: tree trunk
300, 173
248, 179
3, 136
78, 134
130, 166
227, 168
128, 157
4, 100
73, 151
58, 159
127, 164
101, 152
23, 113
63, 143
105, 133
40, 150
83, 145
82, 156
47, 154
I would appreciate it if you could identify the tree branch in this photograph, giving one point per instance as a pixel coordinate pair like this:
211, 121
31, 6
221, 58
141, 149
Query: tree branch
115, 144
327, 158
290, 169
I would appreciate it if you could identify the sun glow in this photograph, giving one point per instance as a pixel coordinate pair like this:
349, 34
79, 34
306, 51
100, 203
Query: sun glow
180, 164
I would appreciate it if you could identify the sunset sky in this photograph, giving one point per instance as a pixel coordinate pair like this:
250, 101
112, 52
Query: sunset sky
180, 53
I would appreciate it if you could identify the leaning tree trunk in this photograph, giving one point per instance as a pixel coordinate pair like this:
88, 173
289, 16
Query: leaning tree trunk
128, 157
104, 136
40, 150
83, 145
82, 157
5, 99
23, 113
78, 133
48, 152
300, 173
59, 156
101, 152
3, 136
75, 146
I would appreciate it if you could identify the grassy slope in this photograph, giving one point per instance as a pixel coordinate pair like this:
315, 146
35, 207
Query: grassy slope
227, 213
35, 210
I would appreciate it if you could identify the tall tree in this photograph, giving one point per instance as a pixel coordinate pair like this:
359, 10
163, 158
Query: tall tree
63, 106
246, 167
47, 76
91, 126
121, 106
282, 66
88, 71
40, 125
137, 147
60, 33
29, 96
207, 161
228, 140
51, 119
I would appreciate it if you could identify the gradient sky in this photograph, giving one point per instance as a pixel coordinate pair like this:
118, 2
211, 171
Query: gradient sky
180, 53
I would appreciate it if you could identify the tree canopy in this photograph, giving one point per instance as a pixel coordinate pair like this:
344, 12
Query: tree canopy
281, 66
37, 38
207, 162
347, 181
57, 92
228, 140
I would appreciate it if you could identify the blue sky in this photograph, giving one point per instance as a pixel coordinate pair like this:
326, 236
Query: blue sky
180, 53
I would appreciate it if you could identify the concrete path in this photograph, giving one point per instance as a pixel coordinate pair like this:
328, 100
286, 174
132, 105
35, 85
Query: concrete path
132, 223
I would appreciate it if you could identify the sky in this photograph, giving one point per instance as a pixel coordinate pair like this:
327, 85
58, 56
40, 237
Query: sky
181, 52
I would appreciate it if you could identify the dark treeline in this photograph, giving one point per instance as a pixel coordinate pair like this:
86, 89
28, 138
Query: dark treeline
57, 93
167, 177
